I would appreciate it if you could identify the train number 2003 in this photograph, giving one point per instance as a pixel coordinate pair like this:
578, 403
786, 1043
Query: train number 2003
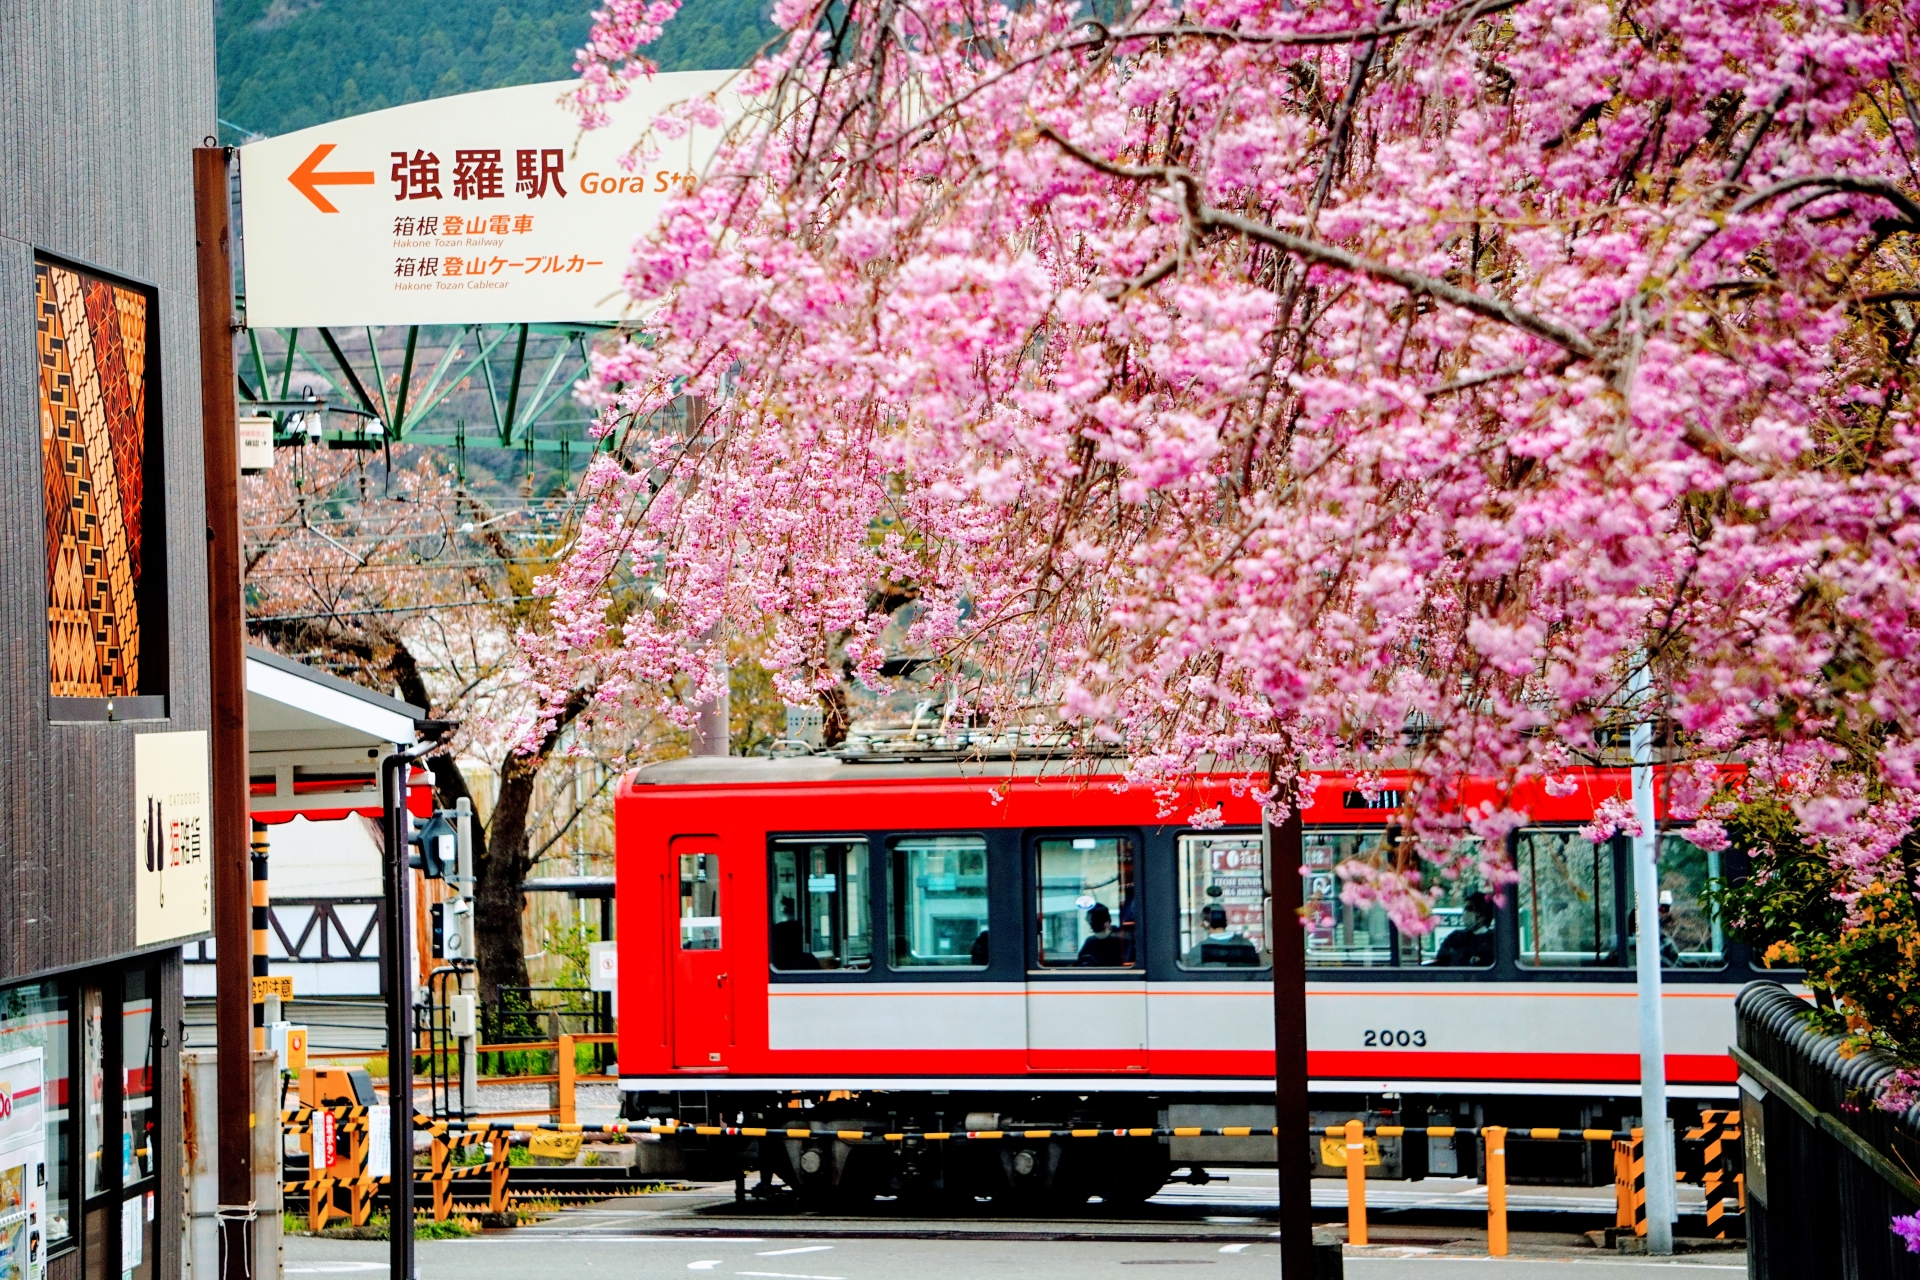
1396, 1039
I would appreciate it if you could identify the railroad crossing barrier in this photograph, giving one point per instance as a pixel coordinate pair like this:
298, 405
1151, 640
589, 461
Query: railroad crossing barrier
1716, 1129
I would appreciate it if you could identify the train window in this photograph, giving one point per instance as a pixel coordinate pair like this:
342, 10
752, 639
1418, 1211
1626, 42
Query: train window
1566, 893
1339, 933
821, 905
1087, 908
1464, 920
939, 901
1223, 918
699, 902
1690, 933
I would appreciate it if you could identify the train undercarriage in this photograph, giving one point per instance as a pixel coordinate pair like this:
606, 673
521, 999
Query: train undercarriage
1060, 1171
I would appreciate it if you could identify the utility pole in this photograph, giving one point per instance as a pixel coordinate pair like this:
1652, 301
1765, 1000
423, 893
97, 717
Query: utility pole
1653, 1032
227, 680
1290, 1116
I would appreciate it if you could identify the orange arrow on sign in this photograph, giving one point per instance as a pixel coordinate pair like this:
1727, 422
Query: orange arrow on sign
308, 179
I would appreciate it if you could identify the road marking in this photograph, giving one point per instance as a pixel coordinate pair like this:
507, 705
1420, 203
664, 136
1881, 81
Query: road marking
1232, 1248
708, 1265
786, 1275
781, 1253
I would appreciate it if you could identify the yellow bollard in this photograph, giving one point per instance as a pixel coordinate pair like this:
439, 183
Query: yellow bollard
563, 1062
1496, 1138
1356, 1183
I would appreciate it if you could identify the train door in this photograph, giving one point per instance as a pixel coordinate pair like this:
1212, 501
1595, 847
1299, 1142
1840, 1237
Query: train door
700, 883
1086, 982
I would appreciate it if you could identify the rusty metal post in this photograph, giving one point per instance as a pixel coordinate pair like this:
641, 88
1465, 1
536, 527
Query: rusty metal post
227, 682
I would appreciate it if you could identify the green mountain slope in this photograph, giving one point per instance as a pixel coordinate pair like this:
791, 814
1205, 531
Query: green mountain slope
287, 64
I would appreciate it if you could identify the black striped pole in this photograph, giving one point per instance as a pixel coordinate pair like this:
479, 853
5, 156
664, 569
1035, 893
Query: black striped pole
260, 901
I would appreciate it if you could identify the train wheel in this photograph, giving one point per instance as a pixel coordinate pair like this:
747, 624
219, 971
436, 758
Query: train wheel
1132, 1185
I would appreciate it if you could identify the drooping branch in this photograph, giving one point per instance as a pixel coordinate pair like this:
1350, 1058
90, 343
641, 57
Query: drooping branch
1203, 215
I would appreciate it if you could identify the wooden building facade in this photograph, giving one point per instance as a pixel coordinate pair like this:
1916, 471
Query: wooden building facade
103, 626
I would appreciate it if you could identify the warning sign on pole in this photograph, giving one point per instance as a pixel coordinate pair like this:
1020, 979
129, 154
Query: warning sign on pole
484, 208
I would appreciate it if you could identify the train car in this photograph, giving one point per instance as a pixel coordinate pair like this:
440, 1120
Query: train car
826, 943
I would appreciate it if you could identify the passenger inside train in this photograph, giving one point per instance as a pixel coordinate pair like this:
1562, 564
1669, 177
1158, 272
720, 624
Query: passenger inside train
1105, 947
1473, 942
1222, 944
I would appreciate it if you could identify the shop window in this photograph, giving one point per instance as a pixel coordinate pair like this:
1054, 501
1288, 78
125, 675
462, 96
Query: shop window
37, 1016
139, 1130
99, 452
939, 901
93, 1086
822, 905
1088, 908
1223, 915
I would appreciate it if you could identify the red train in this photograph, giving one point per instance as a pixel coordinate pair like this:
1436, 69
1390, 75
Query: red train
936, 945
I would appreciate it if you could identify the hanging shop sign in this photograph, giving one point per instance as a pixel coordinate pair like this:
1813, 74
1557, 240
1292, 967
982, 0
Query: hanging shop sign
173, 870
483, 208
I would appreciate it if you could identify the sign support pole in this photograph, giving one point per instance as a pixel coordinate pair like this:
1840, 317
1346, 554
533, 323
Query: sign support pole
1290, 1114
227, 680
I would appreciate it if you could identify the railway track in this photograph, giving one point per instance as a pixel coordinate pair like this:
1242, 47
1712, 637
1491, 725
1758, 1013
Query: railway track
1238, 1206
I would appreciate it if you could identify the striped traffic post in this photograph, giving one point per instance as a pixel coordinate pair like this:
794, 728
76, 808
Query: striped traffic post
260, 901
1637, 1178
1716, 1128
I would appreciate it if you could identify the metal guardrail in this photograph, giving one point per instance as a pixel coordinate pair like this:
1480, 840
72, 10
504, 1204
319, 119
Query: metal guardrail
1827, 1171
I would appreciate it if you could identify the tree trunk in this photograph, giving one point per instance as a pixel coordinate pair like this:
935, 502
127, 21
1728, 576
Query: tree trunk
501, 855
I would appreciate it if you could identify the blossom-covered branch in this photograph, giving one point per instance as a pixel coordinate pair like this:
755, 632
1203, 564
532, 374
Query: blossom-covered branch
1232, 385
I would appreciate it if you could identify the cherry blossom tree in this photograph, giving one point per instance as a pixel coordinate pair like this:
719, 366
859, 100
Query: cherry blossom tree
1365, 385
400, 577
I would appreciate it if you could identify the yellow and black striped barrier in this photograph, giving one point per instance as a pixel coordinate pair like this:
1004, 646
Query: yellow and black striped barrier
669, 1128
1717, 1129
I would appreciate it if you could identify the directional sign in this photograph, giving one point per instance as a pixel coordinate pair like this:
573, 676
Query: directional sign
484, 208
308, 179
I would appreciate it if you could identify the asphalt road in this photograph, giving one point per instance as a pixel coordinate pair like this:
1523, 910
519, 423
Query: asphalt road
554, 1256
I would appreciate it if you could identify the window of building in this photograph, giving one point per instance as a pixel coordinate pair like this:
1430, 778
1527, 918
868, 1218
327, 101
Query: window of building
1223, 910
99, 449
139, 1129
699, 902
939, 901
1568, 912
1088, 909
93, 1084
38, 1016
822, 905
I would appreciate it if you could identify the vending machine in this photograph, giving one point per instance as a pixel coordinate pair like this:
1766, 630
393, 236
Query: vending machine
23, 1164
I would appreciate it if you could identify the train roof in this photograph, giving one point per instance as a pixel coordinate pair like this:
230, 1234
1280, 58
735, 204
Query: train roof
696, 771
